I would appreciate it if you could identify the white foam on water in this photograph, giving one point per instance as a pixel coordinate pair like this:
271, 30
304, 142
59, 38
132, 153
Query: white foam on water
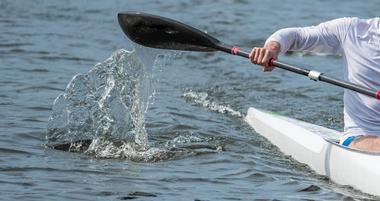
182, 140
125, 150
202, 99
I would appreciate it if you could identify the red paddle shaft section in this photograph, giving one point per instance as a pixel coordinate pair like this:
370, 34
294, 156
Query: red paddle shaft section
271, 61
235, 50
378, 94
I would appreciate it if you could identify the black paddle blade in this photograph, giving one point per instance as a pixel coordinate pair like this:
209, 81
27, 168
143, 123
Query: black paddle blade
164, 33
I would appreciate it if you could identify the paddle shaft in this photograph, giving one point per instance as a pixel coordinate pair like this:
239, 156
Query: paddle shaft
309, 73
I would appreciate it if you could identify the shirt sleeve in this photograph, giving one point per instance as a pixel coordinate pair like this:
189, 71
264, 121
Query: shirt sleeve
325, 38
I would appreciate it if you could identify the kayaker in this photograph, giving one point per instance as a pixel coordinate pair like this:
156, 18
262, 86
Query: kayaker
358, 41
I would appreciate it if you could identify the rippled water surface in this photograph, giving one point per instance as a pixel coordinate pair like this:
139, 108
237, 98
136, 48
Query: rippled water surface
198, 147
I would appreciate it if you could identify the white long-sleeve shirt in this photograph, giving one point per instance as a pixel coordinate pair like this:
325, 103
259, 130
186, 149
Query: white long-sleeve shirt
358, 41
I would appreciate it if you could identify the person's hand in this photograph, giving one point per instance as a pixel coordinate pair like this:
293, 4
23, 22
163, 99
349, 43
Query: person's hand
263, 55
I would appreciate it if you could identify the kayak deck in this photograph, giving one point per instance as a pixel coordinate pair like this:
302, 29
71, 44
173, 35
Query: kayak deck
317, 147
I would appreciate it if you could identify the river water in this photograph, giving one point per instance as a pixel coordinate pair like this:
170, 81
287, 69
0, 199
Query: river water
182, 129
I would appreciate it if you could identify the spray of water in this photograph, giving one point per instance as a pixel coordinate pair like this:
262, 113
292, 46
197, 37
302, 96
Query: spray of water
106, 103
101, 113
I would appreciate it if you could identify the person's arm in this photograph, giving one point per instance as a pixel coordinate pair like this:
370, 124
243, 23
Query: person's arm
325, 38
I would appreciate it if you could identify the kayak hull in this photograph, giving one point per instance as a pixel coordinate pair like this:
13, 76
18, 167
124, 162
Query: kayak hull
317, 147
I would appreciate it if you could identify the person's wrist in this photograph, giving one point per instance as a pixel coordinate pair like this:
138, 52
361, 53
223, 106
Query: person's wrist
274, 47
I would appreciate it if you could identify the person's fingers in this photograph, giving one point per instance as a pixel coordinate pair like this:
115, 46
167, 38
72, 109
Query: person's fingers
266, 58
260, 56
252, 55
256, 56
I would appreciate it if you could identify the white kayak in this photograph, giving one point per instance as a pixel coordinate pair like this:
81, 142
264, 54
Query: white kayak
317, 147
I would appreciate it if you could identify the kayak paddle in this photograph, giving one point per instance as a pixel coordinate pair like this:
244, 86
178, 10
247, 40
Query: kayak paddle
164, 33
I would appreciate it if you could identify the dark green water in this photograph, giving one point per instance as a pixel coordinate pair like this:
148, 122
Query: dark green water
43, 44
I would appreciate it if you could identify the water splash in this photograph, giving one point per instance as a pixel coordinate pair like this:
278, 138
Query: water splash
108, 102
101, 113
202, 99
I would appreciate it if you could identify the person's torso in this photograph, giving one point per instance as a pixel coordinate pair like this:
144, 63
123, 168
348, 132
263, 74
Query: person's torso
361, 49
